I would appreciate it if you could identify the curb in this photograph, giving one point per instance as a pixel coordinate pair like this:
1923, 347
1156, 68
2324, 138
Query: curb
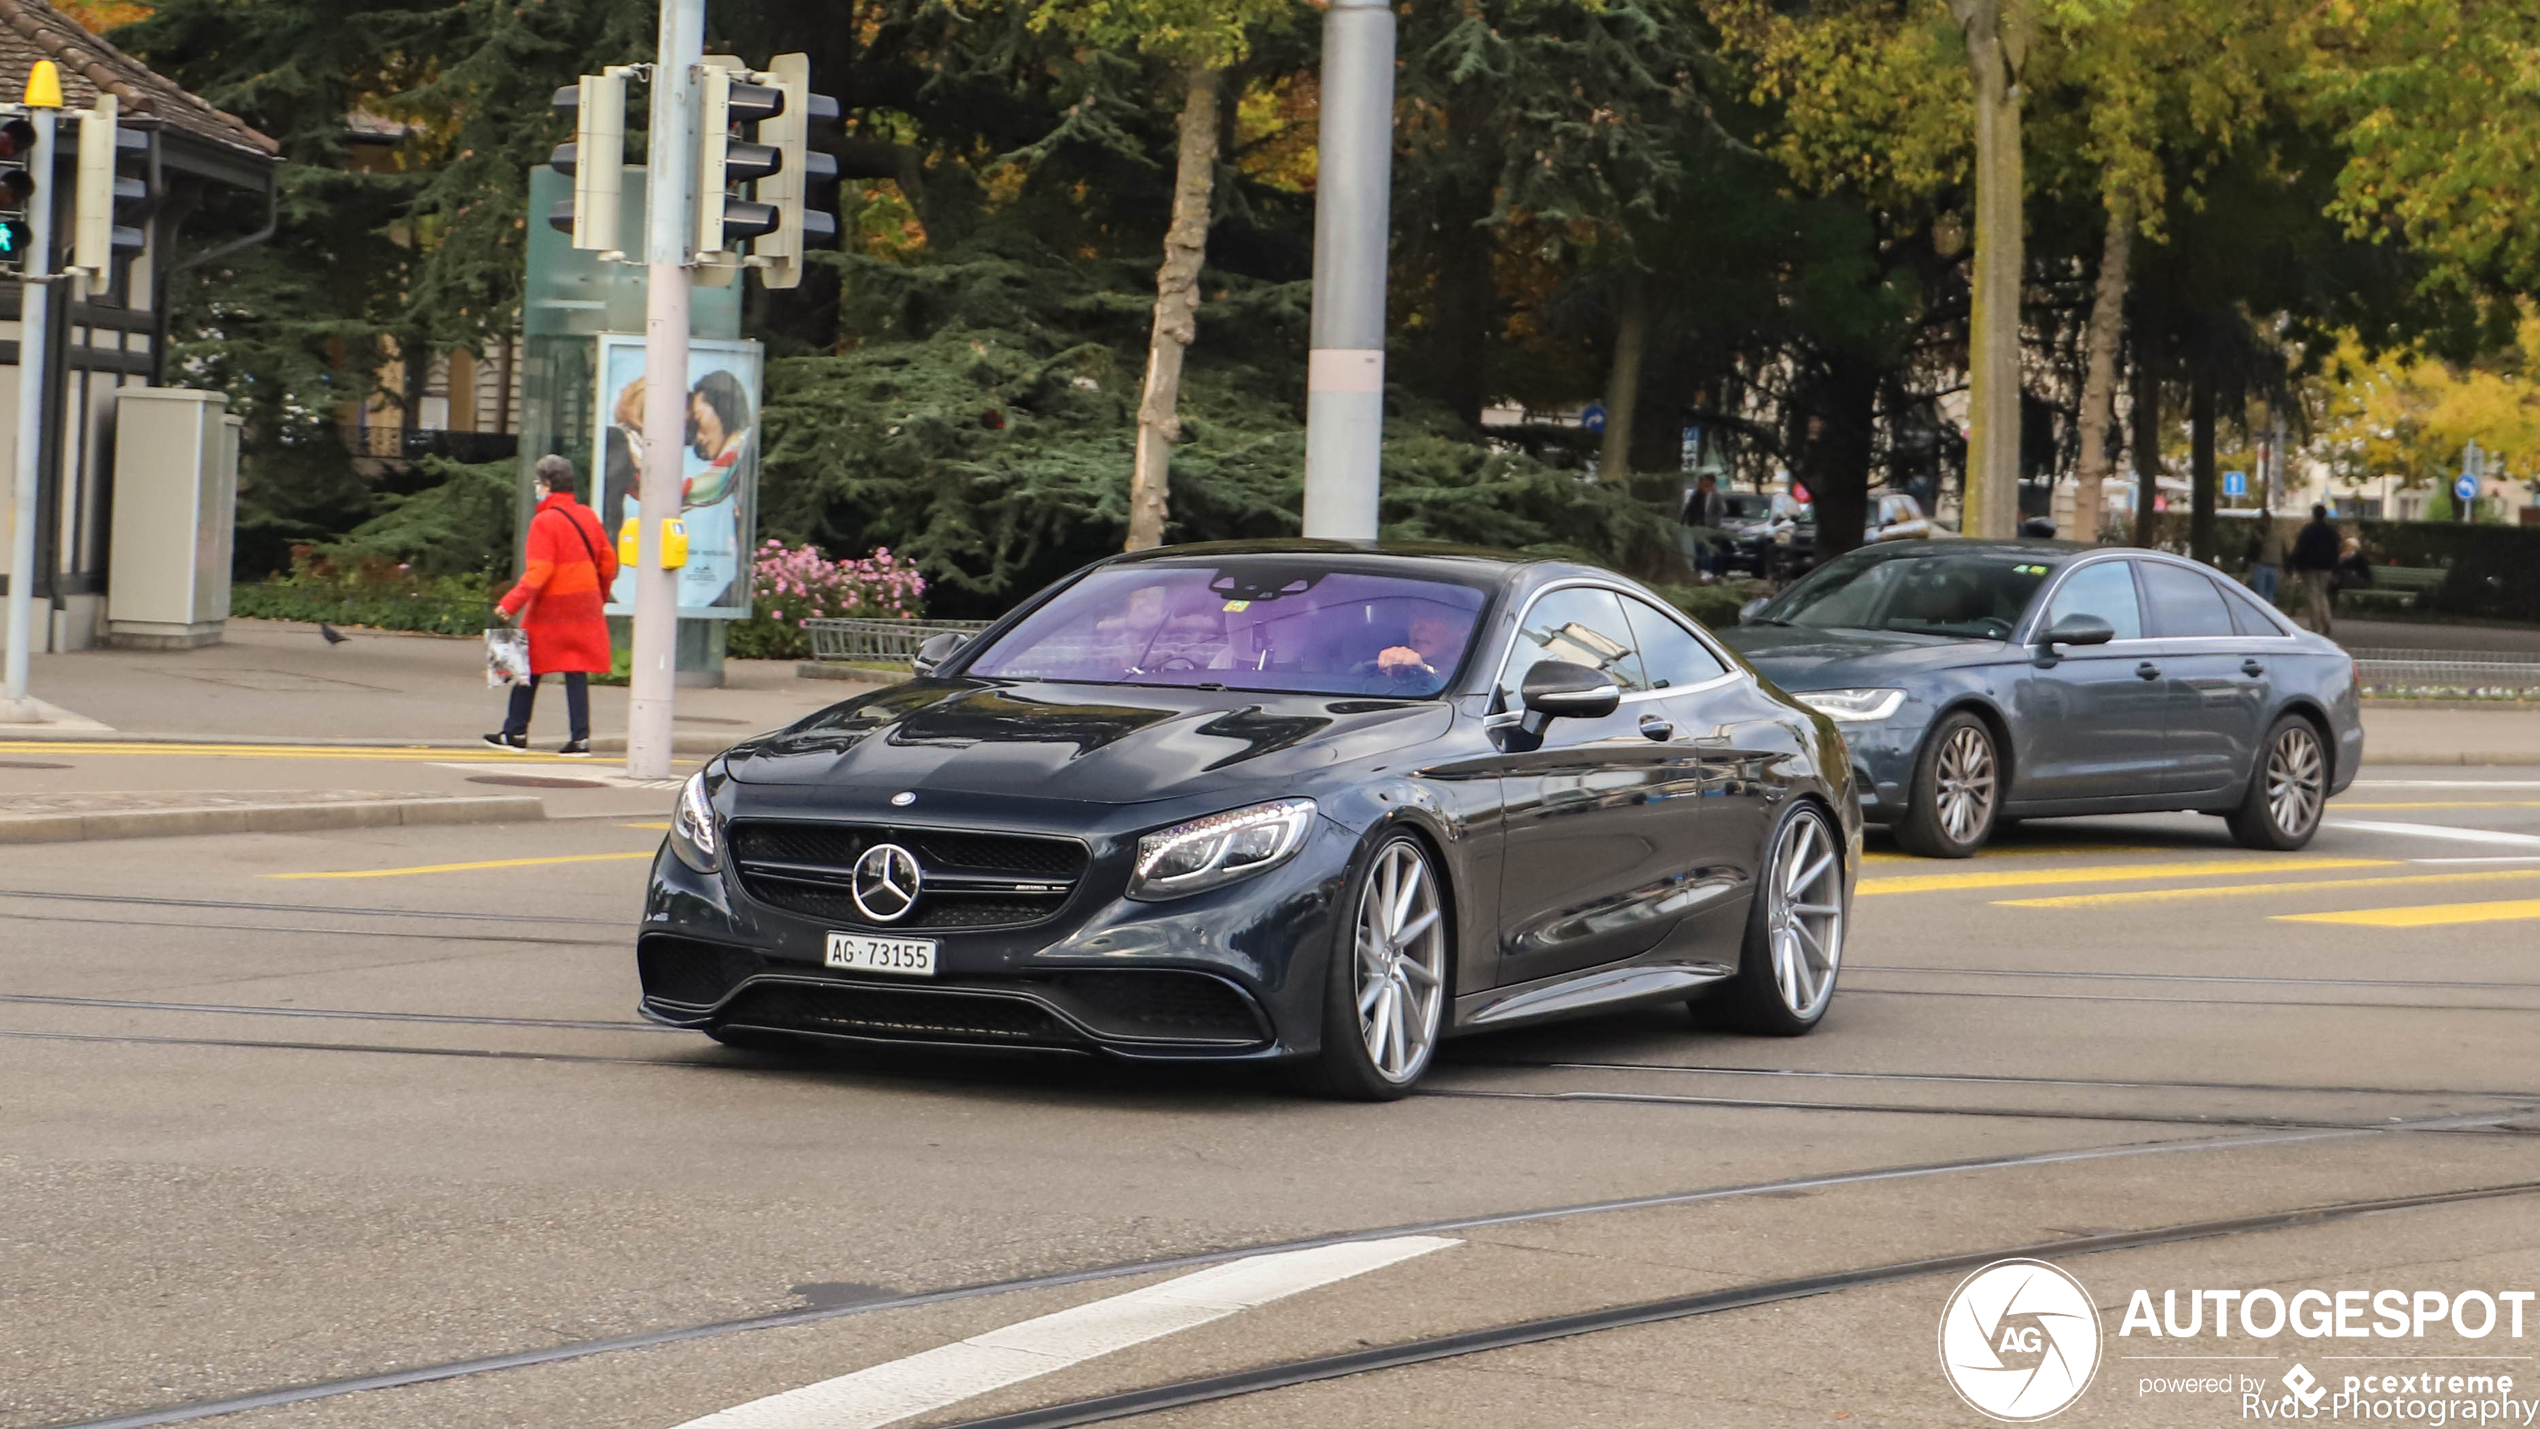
2454, 756
267, 818
852, 674
688, 743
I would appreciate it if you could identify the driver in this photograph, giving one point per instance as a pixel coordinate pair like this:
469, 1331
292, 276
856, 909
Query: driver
1432, 641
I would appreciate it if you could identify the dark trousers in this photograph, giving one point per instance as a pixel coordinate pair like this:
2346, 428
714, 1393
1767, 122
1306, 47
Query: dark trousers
577, 704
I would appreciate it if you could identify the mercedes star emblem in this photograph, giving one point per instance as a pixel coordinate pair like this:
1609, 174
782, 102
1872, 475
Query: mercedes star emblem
886, 883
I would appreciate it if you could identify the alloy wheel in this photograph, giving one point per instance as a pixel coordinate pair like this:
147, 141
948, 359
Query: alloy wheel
1401, 962
2296, 775
1966, 781
1804, 917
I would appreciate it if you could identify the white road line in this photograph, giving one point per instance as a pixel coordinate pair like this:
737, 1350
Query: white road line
2445, 784
887, 1393
2438, 831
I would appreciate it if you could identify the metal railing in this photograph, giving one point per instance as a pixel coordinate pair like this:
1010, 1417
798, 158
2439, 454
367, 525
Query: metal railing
877, 640
2449, 674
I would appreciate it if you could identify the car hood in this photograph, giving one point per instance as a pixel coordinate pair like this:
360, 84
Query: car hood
1804, 657
1104, 744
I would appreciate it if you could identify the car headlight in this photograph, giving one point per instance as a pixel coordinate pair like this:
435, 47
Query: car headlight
1851, 706
693, 835
1218, 850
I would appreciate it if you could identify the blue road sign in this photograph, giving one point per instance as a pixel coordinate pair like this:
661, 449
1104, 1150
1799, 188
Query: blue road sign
1593, 417
2235, 483
2466, 489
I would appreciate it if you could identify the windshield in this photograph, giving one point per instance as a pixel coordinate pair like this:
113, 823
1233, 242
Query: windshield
1273, 623
1973, 596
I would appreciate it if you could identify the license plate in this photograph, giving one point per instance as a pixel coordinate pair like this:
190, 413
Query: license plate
906, 957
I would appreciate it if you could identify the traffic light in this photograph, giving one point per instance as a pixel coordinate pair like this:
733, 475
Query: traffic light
105, 195
17, 190
725, 221
598, 103
803, 187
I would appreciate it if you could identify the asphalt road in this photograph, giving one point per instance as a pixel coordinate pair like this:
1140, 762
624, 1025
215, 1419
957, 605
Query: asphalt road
267, 1128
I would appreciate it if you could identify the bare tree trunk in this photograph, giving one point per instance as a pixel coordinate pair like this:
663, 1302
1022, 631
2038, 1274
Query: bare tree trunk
1996, 46
1176, 309
2099, 382
1622, 383
2147, 424
2200, 460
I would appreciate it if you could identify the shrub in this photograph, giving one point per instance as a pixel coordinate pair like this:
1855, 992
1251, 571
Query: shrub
379, 594
794, 584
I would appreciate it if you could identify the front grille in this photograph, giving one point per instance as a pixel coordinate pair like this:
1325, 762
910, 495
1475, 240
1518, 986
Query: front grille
1180, 1006
902, 1013
970, 880
696, 974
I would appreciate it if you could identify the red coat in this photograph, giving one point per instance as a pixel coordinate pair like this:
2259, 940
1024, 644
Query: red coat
571, 564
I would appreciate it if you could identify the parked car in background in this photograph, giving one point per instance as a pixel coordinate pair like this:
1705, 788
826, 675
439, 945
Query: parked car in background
1790, 538
1301, 802
1976, 681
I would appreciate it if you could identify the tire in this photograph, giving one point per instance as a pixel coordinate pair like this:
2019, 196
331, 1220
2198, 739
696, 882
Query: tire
1794, 935
1393, 944
1957, 791
2288, 788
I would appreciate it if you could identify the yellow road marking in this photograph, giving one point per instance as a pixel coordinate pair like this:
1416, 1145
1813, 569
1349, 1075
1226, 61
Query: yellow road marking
664, 824
470, 867
2251, 890
2106, 873
271, 751
2433, 916
2033, 850
2451, 804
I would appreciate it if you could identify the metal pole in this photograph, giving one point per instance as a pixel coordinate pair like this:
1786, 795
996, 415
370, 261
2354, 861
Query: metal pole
1345, 372
34, 321
668, 202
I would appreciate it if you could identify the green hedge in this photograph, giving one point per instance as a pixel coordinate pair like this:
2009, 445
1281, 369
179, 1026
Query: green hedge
431, 614
2492, 572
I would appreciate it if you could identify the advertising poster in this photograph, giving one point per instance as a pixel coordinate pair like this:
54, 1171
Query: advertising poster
718, 468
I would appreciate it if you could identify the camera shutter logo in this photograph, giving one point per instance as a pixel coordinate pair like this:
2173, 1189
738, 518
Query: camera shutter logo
2019, 1341
886, 883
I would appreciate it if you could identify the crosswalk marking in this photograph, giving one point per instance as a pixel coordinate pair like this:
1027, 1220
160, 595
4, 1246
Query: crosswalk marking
2255, 890
2106, 873
2434, 916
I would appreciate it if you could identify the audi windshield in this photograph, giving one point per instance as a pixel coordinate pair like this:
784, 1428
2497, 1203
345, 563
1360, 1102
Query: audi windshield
1960, 595
1287, 625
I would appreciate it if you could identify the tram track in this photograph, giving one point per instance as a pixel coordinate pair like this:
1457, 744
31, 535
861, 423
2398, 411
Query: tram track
193, 1411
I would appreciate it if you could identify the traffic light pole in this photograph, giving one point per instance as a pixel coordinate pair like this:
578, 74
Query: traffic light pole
34, 307
669, 200
1345, 372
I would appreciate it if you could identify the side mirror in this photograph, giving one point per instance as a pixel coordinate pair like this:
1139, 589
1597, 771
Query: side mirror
2078, 630
1557, 689
936, 651
1753, 608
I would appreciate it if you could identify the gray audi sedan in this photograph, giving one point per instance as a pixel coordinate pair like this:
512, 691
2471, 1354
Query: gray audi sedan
1983, 681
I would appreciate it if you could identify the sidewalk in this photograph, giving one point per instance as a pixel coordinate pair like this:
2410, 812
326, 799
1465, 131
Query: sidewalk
2397, 734
280, 680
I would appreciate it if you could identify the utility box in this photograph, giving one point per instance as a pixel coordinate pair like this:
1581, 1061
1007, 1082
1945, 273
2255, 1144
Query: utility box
176, 512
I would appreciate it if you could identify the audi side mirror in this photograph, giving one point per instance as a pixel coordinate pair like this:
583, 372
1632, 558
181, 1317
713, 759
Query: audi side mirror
1557, 689
2078, 630
936, 651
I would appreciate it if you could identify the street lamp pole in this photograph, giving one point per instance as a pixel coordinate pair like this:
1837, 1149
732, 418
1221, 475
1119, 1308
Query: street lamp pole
1353, 187
670, 177
35, 299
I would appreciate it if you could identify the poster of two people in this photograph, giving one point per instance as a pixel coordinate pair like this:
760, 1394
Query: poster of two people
718, 467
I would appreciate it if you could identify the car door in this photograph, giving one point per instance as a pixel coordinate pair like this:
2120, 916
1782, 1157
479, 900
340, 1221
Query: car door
2215, 705
2088, 720
1599, 817
1707, 709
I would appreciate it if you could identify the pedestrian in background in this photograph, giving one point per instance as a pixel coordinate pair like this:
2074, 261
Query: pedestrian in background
2314, 562
558, 602
2266, 556
1706, 511
2354, 568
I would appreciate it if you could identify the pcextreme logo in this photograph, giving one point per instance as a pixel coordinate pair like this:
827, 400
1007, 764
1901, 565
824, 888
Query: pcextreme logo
2019, 1341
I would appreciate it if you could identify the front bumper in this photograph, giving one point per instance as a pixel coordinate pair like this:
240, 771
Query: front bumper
1236, 973
1882, 756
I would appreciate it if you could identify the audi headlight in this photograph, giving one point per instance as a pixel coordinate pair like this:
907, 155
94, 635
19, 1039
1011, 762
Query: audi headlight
1851, 706
1220, 849
693, 835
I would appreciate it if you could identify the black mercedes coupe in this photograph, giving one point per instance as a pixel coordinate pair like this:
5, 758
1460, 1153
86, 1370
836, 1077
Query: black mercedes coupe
1309, 802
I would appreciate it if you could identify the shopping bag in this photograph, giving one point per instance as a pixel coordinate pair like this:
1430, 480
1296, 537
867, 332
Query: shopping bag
506, 656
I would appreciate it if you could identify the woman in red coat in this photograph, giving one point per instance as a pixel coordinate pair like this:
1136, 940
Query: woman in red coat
558, 602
